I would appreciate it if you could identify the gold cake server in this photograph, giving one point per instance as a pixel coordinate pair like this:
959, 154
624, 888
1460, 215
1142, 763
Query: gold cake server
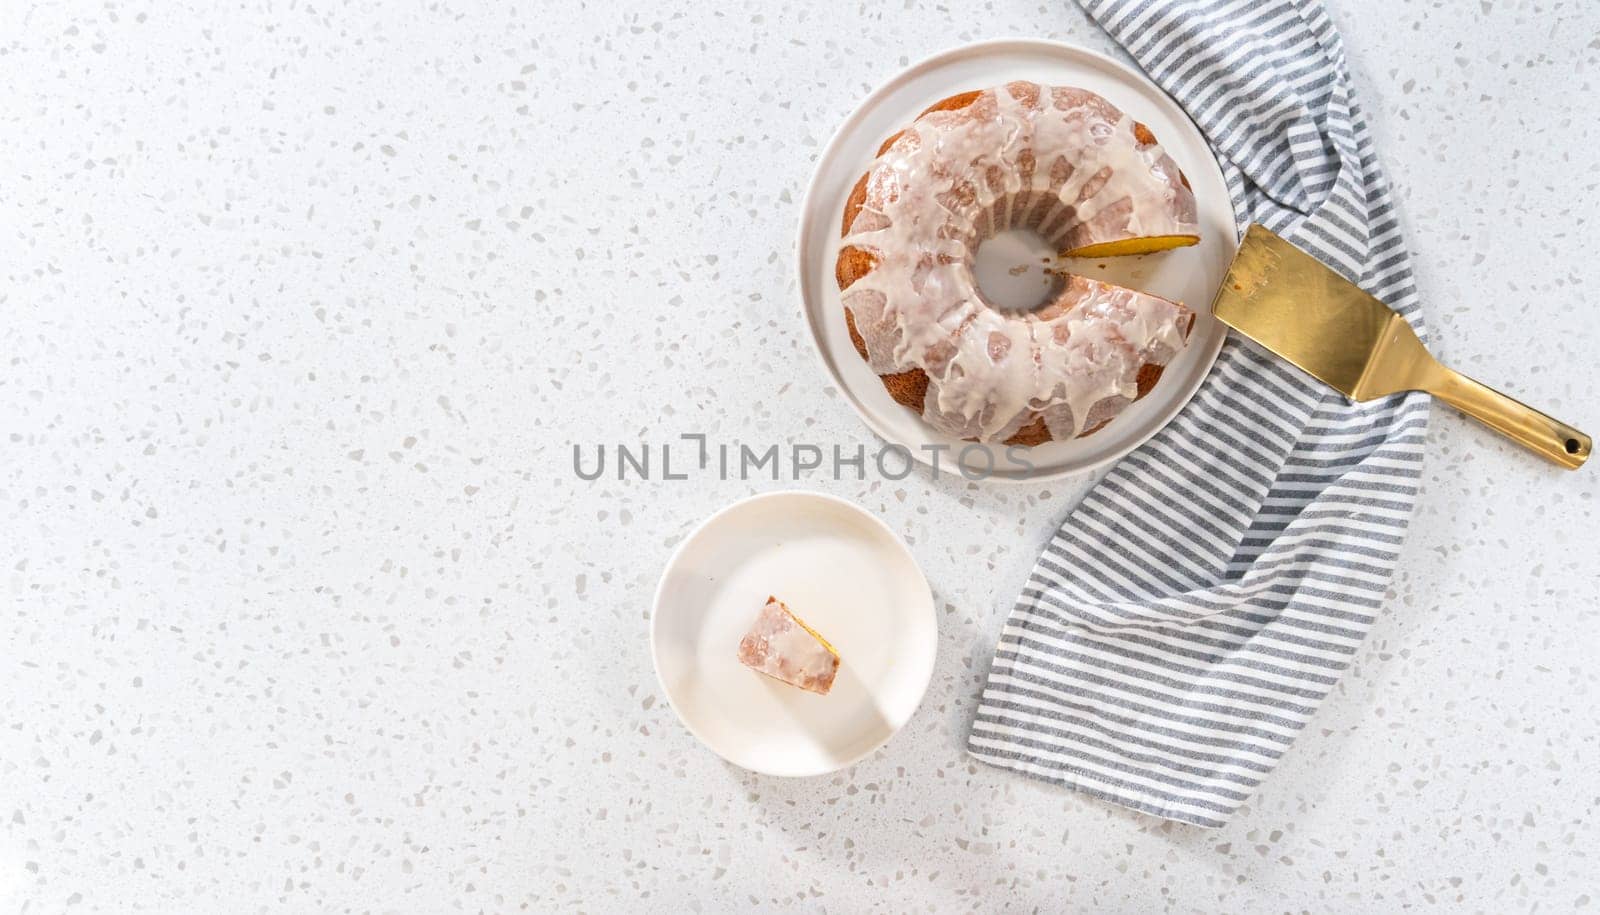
1289, 302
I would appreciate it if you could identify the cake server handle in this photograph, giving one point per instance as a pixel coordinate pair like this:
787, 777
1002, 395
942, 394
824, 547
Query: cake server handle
1546, 436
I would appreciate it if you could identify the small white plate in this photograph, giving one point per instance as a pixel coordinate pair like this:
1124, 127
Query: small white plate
841, 570
1190, 275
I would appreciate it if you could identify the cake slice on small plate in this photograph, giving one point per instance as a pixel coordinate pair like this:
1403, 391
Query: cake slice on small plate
780, 645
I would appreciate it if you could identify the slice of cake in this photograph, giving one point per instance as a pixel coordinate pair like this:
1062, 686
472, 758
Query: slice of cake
780, 645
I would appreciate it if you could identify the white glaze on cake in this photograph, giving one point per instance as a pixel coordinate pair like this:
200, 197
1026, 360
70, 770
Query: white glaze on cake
1061, 161
779, 646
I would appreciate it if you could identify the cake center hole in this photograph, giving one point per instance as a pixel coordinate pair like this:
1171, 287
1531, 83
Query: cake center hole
1010, 270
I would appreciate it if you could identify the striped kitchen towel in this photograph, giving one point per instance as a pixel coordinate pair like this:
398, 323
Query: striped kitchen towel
1199, 604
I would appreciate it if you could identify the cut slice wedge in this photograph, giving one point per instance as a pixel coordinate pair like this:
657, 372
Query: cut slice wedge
781, 645
1141, 244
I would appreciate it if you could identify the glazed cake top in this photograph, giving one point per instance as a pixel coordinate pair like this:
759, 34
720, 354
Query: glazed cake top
782, 647
1064, 162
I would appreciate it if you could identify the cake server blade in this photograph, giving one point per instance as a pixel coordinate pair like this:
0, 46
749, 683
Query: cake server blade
1297, 307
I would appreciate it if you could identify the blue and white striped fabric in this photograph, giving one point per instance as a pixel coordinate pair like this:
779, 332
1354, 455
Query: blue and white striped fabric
1196, 608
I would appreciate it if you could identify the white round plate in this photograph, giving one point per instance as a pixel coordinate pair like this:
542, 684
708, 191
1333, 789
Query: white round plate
1190, 275
843, 572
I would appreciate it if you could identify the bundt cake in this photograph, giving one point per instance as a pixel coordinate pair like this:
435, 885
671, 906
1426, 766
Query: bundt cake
1062, 162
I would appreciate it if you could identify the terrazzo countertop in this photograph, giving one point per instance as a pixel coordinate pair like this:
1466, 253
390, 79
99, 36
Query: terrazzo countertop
305, 305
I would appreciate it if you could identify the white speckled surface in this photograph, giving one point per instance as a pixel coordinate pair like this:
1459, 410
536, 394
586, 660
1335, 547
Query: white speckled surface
305, 609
